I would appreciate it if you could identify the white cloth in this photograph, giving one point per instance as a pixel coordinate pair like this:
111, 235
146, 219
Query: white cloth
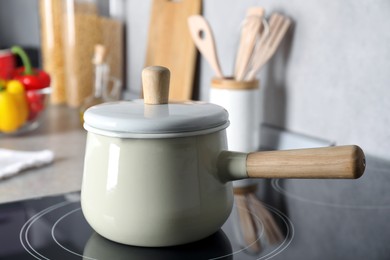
12, 162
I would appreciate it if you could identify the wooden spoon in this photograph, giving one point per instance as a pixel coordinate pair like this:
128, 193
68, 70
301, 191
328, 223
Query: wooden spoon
204, 40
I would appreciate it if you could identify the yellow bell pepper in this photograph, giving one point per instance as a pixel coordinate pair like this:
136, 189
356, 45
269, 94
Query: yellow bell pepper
13, 106
17, 89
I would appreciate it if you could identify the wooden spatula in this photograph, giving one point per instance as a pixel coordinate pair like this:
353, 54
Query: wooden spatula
278, 25
249, 33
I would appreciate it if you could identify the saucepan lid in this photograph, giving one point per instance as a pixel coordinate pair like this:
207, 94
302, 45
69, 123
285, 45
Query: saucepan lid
153, 116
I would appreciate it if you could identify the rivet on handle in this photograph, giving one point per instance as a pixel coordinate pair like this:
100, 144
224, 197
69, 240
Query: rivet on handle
155, 82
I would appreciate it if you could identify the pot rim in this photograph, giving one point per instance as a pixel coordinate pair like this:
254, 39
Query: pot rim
134, 135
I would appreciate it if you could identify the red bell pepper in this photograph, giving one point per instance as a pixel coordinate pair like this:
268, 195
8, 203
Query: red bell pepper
36, 103
30, 77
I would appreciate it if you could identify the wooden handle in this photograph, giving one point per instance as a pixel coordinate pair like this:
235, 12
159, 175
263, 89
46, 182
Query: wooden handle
339, 162
204, 40
155, 81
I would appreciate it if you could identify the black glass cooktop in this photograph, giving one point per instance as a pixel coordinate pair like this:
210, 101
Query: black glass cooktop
283, 219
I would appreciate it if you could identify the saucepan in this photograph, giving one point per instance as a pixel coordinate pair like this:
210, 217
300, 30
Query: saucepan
160, 174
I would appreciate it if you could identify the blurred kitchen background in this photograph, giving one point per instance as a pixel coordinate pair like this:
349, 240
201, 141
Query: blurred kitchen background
329, 79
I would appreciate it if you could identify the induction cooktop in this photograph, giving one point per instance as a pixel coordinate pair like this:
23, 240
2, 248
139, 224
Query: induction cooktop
282, 219
55, 228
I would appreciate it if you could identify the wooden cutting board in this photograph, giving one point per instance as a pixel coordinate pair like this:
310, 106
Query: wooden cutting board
170, 44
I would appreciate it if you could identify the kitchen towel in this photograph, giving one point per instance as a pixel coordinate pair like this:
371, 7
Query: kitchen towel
13, 162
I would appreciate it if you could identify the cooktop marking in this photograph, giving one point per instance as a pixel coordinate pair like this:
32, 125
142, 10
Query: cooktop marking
58, 243
282, 246
290, 232
26, 228
277, 187
244, 248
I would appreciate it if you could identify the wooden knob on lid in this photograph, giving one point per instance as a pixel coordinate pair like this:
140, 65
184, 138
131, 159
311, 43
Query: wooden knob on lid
155, 82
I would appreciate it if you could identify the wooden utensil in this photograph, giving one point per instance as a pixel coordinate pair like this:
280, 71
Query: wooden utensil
203, 38
278, 27
170, 44
255, 11
249, 33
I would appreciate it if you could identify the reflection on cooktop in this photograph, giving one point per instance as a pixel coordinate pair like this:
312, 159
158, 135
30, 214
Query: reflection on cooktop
217, 246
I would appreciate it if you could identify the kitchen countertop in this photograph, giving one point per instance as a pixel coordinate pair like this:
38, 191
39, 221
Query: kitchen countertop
61, 132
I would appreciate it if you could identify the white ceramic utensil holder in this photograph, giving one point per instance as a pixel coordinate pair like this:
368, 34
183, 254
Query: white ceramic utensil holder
241, 100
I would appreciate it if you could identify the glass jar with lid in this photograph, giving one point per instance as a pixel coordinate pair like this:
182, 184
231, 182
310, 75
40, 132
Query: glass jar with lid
82, 24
